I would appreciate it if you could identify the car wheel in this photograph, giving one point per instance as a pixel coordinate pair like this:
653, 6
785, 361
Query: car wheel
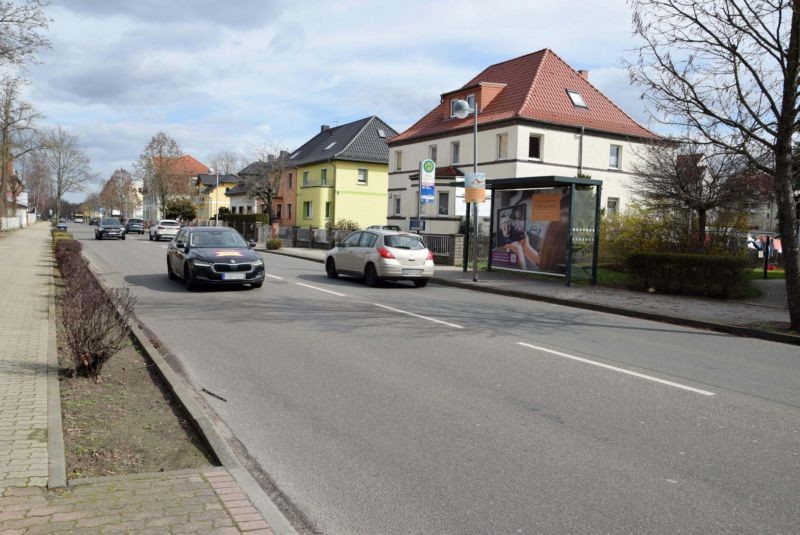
371, 276
188, 279
150, 236
122, 237
256, 284
170, 273
96, 237
330, 269
158, 237
421, 283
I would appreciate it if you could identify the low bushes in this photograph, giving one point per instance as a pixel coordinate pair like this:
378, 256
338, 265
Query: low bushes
688, 274
95, 321
274, 243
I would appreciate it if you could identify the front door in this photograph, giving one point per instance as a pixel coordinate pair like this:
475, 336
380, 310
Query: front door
344, 257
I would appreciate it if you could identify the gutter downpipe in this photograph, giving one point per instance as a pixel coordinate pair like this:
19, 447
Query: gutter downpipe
333, 203
580, 154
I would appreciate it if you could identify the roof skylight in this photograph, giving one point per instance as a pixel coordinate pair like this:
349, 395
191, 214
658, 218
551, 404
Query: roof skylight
293, 156
381, 132
577, 99
331, 145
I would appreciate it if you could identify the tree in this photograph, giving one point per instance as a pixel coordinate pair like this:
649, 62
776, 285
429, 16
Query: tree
727, 72
67, 164
180, 208
262, 178
162, 170
20, 27
36, 177
690, 176
17, 134
119, 193
226, 163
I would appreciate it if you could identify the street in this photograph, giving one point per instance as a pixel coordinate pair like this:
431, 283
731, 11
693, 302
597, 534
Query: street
441, 410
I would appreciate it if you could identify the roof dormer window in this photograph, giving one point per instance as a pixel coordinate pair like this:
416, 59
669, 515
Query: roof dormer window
330, 146
577, 99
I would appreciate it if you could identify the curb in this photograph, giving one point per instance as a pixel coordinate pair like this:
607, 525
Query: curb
56, 458
203, 423
685, 322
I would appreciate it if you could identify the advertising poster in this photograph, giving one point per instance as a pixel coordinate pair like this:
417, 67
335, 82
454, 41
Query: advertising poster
531, 230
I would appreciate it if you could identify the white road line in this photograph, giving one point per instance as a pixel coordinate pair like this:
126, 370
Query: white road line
453, 325
320, 289
621, 370
273, 276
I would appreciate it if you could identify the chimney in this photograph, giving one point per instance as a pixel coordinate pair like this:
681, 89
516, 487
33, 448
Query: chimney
324, 127
584, 74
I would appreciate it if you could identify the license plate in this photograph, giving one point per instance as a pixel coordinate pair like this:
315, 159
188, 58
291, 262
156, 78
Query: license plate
233, 276
412, 272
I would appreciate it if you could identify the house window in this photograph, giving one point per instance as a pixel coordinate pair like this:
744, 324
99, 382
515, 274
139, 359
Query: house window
535, 147
612, 206
323, 176
289, 181
398, 160
362, 176
249, 209
307, 210
397, 205
278, 212
453, 107
328, 210
305, 178
502, 146
241, 209
288, 211
615, 156
432, 152
455, 151
577, 99
444, 202
471, 101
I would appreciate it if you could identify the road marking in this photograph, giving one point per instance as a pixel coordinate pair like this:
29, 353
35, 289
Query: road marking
273, 276
621, 370
165, 247
320, 289
453, 325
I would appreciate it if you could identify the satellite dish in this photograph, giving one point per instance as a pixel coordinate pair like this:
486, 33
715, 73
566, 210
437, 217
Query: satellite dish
461, 109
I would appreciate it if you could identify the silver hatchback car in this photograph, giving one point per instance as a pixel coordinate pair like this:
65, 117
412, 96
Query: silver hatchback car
378, 255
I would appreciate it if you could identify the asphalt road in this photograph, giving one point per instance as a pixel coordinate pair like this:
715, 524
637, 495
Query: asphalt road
441, 410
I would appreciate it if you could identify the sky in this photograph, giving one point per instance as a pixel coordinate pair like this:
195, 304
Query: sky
238, 74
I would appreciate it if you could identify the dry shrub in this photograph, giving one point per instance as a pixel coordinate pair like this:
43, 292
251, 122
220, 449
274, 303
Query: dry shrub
96, 322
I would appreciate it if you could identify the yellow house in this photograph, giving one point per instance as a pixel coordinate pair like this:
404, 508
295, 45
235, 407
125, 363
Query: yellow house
342, 173
210, 194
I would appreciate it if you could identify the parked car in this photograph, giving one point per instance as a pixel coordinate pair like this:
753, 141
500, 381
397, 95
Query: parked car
109, 228
78, 219
165, 228
213, 255
62, 224
134, 225
94, 221
379, 254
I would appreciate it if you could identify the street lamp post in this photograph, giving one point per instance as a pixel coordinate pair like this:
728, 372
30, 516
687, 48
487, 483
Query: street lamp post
215, 202
461, 109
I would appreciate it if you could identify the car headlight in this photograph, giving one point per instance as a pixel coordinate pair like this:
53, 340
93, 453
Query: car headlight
201, 263
258, 262
100, 228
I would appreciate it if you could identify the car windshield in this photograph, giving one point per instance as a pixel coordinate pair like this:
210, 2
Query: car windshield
402, 241
134, 221
216, 238
110, 223
169, 224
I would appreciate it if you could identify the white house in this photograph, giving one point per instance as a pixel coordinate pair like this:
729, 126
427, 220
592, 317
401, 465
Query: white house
537, 116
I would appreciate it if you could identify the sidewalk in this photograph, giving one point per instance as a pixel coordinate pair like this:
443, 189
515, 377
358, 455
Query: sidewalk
33, 497
736, 317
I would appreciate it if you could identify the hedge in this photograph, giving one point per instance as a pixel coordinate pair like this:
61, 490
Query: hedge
688, 274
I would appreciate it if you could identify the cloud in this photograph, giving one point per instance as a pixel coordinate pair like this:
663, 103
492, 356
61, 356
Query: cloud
230, 76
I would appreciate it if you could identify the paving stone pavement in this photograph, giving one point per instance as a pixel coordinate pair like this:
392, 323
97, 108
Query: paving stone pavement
24, 280
206, 501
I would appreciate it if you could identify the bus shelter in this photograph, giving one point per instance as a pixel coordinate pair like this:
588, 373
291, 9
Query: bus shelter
545, 225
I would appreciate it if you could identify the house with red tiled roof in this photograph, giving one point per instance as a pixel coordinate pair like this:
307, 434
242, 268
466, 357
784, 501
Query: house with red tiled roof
537, 116
189, 168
